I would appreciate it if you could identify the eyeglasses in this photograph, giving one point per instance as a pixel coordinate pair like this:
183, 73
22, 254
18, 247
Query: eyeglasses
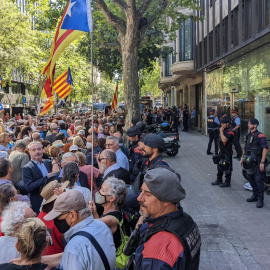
109, 144
100, 159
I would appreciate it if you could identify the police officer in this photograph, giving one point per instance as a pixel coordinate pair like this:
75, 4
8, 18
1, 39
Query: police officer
175, 120
166, 228
253, 161
224, 161
135, 154
236, 126
212, 128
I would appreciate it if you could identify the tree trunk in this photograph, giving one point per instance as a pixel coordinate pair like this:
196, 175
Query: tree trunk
129, 47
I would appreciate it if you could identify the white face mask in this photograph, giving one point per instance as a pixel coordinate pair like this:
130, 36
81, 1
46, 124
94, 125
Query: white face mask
100, 199
88, 145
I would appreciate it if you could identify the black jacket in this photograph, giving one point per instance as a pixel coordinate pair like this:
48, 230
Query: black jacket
120, 173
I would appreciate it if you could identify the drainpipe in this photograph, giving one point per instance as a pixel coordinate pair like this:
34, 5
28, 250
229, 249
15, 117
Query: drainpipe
205, 101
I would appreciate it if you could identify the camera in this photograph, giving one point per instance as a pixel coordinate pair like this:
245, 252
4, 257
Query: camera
132, 243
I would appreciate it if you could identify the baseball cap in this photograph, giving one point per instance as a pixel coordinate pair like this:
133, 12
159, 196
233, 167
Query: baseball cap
73, 148
67, 201
254, 121
133, 131
165, 184
154, 141
135, 120
225, 120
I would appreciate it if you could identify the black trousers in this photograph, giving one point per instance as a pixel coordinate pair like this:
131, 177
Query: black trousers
213, 136
185, 124
257, 180
227, 154
237, 145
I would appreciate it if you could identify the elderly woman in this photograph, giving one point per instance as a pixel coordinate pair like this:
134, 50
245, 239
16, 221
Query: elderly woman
87, 169
112, 196
12, 217
71, 173
32, 239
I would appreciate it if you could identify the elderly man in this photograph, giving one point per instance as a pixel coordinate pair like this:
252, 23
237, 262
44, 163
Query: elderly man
119, 136
166, 229
121, 159
84, 234
36, 173
54, 130
109, 167
36, 136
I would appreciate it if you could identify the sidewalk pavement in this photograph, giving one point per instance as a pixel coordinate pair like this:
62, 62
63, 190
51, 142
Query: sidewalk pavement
235, 234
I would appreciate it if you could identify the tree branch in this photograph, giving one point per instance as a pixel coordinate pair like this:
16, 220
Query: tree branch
132, 6
143, 7
118, 23
122, 4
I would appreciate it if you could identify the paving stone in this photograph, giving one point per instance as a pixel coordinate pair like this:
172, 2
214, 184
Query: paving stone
235, 234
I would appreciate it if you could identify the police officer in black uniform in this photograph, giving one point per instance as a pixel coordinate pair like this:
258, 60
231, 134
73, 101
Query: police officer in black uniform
253, 161
175, 120
135, 154
212, 128
224, 159
185, 118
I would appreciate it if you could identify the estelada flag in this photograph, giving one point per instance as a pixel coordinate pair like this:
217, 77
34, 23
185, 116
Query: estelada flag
76, 21
62, 85
114, 101
49, 104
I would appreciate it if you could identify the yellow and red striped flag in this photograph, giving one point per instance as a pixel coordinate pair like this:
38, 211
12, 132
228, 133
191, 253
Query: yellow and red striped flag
76, 21
49, 104
114, 101
62, 85
47, 89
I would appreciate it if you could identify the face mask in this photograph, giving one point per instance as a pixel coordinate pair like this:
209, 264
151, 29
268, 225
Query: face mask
61, 225
88, 145
99, 198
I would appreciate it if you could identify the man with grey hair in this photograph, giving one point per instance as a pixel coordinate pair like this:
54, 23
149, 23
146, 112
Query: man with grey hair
52, 136
121, 159
108, 166
71, 157
18, 159
36, 136
12, 217
124, 149
36, 173
86, 237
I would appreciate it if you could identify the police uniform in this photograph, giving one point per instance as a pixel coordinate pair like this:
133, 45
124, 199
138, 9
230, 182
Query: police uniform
255, 143
212, 128
236, 122
224, 160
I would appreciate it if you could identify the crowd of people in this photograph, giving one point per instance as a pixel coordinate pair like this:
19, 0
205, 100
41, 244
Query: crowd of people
75, 193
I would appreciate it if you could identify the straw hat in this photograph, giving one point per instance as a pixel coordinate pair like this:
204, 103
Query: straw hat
48, 191
58, 143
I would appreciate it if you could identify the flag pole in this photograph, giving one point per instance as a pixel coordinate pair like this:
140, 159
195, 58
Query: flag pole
92, 110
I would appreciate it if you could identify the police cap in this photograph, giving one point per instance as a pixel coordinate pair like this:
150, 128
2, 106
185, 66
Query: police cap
254, 121
133, 131
212, 110
154, 141
225, 120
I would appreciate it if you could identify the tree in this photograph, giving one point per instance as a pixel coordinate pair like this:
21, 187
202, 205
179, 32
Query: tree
131, 19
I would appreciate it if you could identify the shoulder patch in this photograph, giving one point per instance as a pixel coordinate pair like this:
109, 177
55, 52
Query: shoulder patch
261, 135
163, 246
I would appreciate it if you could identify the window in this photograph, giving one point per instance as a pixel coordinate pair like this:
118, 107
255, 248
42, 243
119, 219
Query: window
186, 41
168, 65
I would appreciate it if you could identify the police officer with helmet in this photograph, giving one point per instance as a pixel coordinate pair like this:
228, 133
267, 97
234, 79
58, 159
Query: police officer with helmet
224, 158
212, 128
253, 161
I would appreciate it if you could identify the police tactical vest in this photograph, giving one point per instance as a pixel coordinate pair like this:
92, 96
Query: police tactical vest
252, 146
233, 125
186, 230
211, 124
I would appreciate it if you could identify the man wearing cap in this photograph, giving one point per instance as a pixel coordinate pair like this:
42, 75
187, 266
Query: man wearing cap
212, 128
236, 127
168, 238
256, 149
224, 158
135, 154
73, 218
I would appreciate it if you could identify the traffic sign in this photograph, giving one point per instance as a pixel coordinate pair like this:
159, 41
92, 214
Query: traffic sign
24, 100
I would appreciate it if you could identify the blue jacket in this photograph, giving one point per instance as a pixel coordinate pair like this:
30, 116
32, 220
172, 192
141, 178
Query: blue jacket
34, 182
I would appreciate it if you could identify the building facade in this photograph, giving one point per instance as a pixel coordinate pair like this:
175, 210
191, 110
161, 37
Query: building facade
231, 68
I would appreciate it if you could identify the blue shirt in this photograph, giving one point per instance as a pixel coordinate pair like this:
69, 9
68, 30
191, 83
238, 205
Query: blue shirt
112, 168
122, 160
41, 167
97, 150
3, 148
42, 136
80, 254
237, 121
64, 131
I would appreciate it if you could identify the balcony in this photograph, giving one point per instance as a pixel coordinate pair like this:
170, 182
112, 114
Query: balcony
167, 81
183, 68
